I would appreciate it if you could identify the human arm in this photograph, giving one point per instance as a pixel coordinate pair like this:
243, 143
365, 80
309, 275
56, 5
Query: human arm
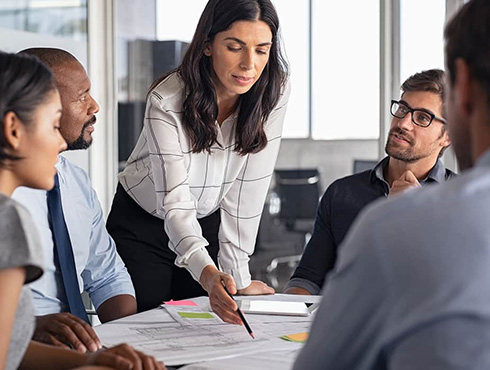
40, 356
11, 281
320, 253
405, 182
105, 277
116, 307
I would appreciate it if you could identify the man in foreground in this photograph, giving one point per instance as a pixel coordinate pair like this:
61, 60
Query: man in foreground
411, 287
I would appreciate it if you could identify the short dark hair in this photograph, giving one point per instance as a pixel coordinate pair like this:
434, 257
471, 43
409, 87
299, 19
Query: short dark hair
431, 80
467, 37
200, 106
52, 57
25, 83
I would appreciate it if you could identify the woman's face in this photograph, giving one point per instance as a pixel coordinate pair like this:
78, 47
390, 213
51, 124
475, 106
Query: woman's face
40, 145
239, 55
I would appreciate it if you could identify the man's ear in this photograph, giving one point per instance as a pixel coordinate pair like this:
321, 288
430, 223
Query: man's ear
445, 140
462, 89
13, 130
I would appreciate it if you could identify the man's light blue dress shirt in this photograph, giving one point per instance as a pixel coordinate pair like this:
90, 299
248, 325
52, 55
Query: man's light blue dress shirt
100, 270
411, 288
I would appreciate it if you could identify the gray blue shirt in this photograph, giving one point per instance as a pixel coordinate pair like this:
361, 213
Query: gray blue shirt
100, 270
20, 247
411, 286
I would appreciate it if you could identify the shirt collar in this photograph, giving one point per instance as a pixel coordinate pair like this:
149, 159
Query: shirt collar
437, 173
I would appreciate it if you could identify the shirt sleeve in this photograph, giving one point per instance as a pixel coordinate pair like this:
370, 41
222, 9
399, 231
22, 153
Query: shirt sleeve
320, 253
175, 202
105, 275
20, 243
242, 206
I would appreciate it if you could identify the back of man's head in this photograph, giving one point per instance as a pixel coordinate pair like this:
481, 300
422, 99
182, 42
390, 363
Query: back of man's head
51, 57
468, 37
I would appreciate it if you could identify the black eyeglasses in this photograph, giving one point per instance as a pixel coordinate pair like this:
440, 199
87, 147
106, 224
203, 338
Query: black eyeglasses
420, 117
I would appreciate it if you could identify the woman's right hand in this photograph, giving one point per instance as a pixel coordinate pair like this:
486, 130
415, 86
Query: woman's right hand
213, 281
124, 357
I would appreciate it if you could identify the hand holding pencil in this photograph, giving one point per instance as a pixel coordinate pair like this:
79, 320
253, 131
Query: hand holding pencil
242, 317
213, 281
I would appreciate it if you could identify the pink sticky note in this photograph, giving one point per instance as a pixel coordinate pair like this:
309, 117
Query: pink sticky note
180, 303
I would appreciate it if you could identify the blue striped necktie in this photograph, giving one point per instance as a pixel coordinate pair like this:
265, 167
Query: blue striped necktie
63, 252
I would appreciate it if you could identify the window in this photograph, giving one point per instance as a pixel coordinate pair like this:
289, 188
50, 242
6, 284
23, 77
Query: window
177, 20
345, 55
421, 36
63, 18
294, 24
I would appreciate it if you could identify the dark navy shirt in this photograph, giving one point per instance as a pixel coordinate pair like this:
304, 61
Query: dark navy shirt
338, 208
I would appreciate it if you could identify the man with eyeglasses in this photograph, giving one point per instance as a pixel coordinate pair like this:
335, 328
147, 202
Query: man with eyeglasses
417, 139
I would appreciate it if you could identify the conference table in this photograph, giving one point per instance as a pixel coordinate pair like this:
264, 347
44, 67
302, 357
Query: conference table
188, 335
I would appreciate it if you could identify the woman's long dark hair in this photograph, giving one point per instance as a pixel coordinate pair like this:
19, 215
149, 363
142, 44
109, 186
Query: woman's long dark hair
25, 83
201, 107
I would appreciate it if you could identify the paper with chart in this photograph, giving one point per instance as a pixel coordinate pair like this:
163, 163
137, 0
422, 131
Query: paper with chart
190, 315
176, 344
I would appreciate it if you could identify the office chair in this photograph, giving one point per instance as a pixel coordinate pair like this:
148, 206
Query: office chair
293, 203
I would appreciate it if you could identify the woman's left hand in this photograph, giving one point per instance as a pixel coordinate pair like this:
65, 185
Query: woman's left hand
255, 288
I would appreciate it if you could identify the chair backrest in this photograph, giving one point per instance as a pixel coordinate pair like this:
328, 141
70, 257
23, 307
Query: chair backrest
298, 191
361, 165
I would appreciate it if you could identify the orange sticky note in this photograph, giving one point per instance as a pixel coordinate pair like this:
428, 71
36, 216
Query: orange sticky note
180, 303
298, 338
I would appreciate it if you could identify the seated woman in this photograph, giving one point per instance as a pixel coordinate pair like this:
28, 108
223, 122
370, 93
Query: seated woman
30, 142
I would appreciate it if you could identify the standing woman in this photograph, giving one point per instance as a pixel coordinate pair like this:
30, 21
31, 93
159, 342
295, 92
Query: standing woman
30, 141
194, 187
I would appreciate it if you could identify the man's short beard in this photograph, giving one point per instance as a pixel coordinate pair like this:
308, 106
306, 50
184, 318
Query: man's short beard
80, 143
404, 156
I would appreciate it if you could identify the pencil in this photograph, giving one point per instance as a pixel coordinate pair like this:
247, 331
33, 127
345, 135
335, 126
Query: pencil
240, 313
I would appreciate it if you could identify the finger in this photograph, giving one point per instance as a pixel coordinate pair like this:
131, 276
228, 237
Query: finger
268, 290
77, 334
113, 360
227, 315
88, 330
229, 283
149, 362
227, 302
409, 177
66, 334
130, 354
51, 339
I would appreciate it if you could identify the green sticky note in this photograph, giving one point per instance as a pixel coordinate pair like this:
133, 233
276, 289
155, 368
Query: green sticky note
196, 315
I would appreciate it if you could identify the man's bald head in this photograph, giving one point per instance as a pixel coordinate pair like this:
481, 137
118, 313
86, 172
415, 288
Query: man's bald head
51, 57
79, 107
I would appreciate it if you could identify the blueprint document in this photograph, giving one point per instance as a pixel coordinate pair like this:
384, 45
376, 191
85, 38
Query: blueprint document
157, 334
